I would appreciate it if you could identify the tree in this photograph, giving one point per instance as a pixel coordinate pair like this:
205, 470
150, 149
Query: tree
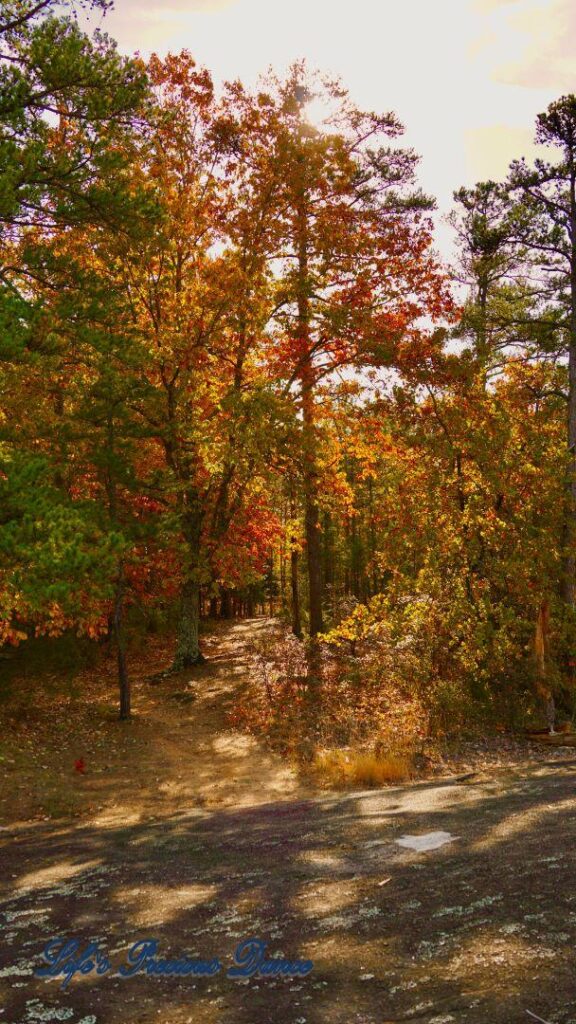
201, 392
350, 248
66, 100
546, 226
501, 304
68, 105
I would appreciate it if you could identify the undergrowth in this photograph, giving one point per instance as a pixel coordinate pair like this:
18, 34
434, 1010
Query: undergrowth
358, 727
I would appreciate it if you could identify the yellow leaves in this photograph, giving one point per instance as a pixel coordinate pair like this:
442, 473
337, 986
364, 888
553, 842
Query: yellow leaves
365, 622
293, 535
10, 635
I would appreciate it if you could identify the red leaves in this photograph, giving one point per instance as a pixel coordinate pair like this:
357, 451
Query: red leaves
243, 553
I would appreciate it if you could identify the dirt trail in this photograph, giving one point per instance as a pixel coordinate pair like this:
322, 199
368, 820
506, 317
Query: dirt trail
210, 840
189, 755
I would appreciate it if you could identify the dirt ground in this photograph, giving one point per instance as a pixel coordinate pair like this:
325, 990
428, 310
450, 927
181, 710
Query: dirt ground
189, 833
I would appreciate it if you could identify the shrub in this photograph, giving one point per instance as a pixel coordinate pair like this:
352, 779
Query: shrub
339, 768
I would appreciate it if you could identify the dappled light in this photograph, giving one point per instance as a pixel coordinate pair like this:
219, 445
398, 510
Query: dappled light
149, 905
322, 879
54, 874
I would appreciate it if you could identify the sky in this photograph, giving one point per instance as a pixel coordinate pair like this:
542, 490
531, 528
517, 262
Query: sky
466, 77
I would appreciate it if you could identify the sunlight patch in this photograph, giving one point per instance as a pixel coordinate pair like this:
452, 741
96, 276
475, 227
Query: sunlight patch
153, 905
55, 873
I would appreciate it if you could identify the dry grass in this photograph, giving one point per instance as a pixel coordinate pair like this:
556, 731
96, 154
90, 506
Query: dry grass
341, 768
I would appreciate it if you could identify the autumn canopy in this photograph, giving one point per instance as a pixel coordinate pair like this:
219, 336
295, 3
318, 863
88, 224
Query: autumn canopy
237, 379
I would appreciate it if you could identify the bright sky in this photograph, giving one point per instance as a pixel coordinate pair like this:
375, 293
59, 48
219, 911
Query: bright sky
466, 77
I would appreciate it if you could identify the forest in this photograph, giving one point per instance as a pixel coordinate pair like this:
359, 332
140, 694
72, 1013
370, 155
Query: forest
287, 523
238, 380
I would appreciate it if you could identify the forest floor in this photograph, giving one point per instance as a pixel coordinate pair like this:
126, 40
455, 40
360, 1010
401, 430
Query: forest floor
186, 831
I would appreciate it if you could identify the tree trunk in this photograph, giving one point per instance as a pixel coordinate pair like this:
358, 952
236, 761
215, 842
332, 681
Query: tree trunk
355, 559
329, 574
123, 679
296, 621
312, 526
569, 580
310, 472
225, 604
570, 536
115, 622
372, 539
314, 558
482, 336
347, 558
570, 532
283, 561
188, 644
541, 656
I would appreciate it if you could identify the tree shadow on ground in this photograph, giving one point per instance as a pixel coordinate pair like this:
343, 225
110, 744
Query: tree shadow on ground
480, 930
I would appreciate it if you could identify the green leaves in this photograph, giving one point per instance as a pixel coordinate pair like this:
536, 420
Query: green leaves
68, 107
56, 555
65, 102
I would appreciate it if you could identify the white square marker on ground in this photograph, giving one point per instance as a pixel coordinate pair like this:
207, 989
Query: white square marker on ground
427, 841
